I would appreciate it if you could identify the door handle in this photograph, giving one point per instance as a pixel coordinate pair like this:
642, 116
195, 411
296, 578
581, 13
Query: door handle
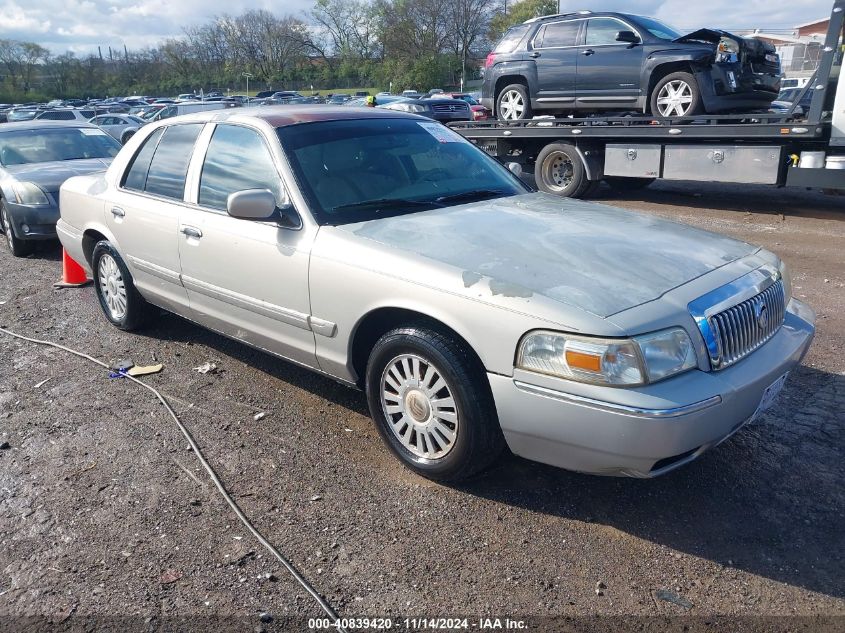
535, 55
191, 231
588, 52
118, 212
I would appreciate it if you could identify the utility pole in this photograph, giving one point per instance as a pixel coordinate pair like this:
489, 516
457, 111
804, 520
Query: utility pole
247, 75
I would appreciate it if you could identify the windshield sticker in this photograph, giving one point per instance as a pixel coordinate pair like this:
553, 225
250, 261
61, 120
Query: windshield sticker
92, 132
442, 133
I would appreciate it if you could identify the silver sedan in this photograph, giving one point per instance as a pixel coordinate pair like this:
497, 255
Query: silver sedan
385, 251
119, 126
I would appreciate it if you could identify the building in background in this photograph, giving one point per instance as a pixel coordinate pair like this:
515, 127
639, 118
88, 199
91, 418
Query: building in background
799, 50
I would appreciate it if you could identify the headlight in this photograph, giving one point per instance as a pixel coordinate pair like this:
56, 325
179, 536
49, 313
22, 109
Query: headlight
407, 107
615, 362
727, 45
29, 193
787, 281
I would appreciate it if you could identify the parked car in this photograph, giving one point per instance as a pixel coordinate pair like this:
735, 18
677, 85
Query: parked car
479, 112
178, 109
119, 126
386, 251
615, 61
787, 97
66, 114
36, 157
437, 108
22, 114
339, 99
264, 94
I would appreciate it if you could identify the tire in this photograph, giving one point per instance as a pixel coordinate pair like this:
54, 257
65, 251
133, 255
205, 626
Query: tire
560, 170
121, 302
17, 246
467, 438
623, 183
126, 136
509, 99
689, 102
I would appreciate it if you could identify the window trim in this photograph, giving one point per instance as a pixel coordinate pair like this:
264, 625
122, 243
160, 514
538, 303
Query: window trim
581, 37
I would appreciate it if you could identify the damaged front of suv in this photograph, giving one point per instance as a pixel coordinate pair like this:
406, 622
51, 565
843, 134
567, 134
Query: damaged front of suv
733, 73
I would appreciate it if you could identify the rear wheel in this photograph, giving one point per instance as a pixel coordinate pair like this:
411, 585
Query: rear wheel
121, 302
17, 246
560, 170
432, 404
676, 94
513, 104
126, 136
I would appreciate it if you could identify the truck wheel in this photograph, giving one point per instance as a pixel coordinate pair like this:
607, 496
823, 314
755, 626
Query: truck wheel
121, 302
431, 402
624, 183
560, 170
677, 94
513, 104
18, 247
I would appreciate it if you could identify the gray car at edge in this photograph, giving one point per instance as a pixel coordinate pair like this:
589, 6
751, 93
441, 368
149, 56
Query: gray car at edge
385, 251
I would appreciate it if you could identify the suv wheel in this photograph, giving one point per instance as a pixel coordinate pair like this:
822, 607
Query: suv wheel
513, 103
676, 94
432, 403
18, 247
560, 170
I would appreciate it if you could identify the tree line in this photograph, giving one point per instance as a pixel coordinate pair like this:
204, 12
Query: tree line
398, 44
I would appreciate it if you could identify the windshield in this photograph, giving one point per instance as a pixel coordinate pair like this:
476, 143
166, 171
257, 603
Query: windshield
22, 147
357, 170
658, 29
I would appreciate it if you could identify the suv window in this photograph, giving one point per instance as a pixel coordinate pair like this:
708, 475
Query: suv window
136, 175
87, 113
558, 34
511, 38
59, 115
225, 171
169, 166
602, 31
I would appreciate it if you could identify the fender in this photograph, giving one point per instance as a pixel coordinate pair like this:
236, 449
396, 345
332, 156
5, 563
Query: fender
522, 68
698, 57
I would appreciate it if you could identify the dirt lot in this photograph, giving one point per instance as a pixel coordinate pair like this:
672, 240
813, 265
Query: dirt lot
102, 503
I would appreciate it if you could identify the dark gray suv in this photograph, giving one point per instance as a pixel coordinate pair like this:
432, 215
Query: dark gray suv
589, 61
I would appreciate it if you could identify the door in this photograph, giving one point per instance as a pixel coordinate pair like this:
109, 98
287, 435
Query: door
109, 125
608, 70
555, 55
144, 215
245, 278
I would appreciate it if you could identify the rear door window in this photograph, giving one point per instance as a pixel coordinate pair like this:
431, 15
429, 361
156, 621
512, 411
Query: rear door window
558, 35
512, 38
169, 166
136, 175
237, 159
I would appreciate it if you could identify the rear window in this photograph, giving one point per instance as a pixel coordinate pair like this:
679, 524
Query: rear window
136, 176
511, 39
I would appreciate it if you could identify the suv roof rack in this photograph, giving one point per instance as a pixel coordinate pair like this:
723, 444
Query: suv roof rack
557, 15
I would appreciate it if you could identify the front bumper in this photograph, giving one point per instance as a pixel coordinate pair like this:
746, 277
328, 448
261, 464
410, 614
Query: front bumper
726, 87
33, 222
646, 431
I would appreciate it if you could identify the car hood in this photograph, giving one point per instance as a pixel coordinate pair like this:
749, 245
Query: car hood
50, 176
600, 259
706, 35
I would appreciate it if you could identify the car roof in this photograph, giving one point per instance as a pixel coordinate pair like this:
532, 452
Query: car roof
282, 116
39, 124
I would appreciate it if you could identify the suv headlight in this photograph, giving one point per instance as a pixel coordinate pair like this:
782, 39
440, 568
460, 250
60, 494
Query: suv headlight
613, 362
29, 193
787, 281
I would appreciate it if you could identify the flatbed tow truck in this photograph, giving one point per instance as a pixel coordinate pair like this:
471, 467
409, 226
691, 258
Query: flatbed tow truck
572, 156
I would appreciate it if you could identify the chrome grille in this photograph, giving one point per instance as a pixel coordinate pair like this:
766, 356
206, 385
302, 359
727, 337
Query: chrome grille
742, 328
450, 107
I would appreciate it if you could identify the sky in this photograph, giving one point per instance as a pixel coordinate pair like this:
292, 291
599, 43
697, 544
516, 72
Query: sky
81, 25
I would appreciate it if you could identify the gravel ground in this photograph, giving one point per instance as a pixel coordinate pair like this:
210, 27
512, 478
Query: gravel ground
105, 513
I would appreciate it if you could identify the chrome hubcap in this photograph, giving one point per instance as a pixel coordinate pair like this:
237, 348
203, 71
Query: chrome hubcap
512, 105
675, 98
558, 171
419, 407
112, 287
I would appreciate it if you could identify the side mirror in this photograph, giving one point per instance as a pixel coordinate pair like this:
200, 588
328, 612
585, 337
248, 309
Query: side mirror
627, 36
251, 204
515, 169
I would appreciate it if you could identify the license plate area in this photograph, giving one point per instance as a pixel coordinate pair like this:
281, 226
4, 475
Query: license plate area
770, 395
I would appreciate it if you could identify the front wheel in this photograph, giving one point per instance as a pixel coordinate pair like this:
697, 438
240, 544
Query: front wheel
432, 404
121, 302
17, 246
676, 94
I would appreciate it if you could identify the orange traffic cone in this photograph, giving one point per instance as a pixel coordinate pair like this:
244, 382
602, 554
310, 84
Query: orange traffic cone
73, 275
